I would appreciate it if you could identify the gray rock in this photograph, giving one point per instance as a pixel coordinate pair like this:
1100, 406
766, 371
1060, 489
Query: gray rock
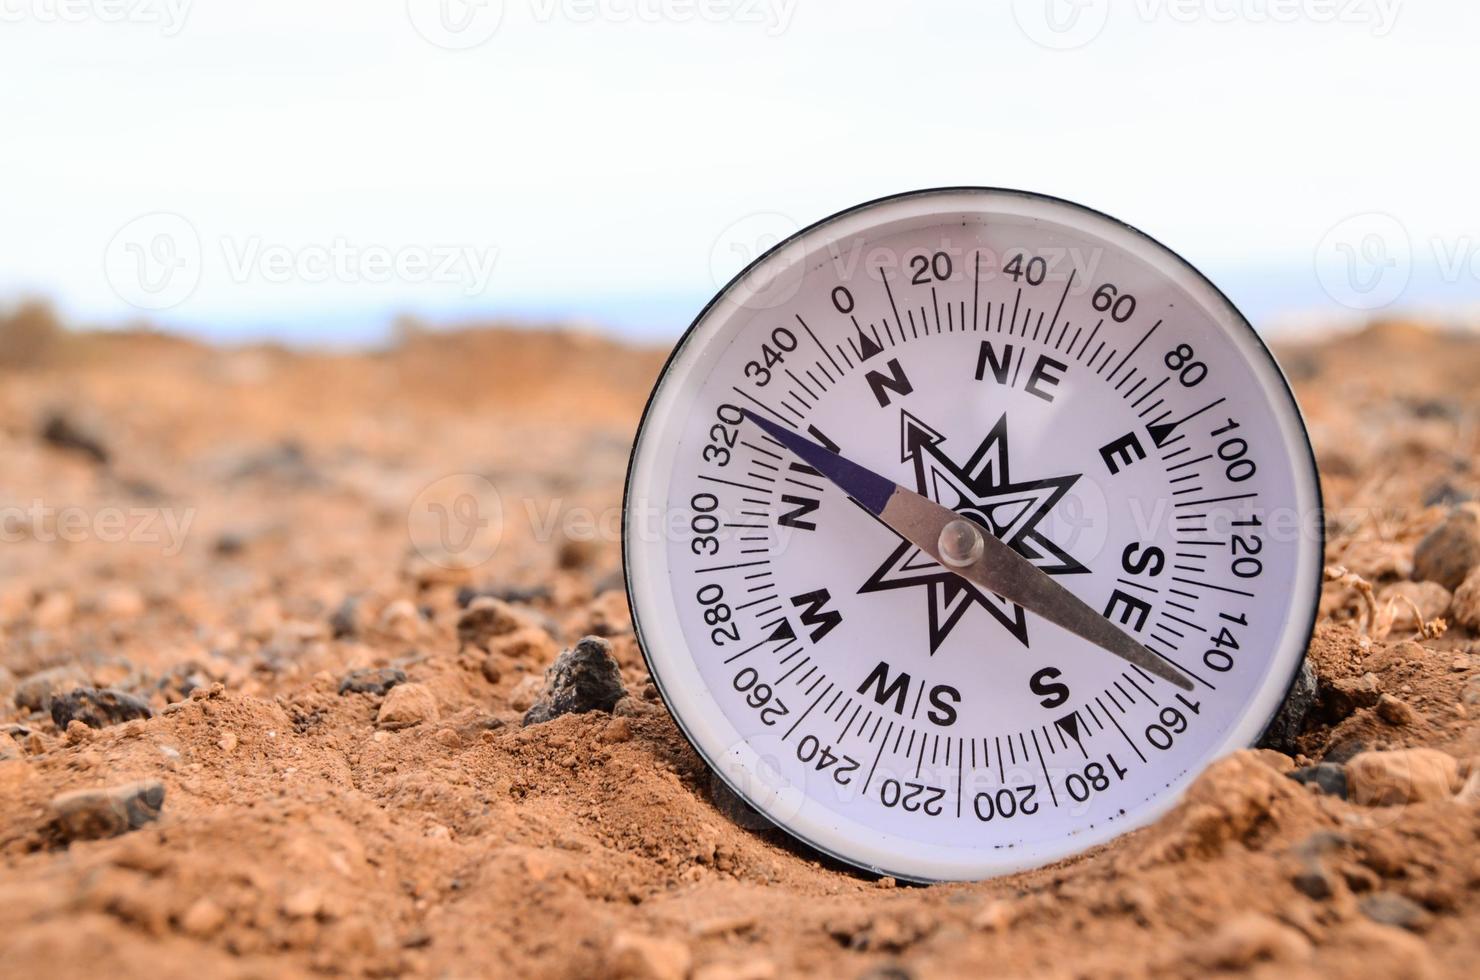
1329, 778
286, 462
519, 595
372, 680
61, 431
1319, 844
34, 693
97, 708
1345, 750
584, 678
346, 619
1289, 721
92, 814
182, 678
1448, 552
1392, 909
1312, 877
1445, 493
1313, 881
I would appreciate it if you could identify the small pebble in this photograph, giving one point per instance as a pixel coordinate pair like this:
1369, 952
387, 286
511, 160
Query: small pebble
1404, 776
486, 618
1248, 939
407, 705
1392, 909
61, 431
34, 693
348, 619
401, 619
1329, 778
584, 678
203, 919
97, 707
1345, 695
303, 904
120, 602
995, 916
1448, 552
619, 729
1313, 880
1466, 605
632, 956
372, 680
92, 814
54, 611
1394, 711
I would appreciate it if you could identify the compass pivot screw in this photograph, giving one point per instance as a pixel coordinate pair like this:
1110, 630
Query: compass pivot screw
961, 543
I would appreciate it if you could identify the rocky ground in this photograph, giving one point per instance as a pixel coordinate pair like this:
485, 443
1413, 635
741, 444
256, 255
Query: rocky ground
260, 718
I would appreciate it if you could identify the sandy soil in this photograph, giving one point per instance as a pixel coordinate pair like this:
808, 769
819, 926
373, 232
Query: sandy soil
227, 535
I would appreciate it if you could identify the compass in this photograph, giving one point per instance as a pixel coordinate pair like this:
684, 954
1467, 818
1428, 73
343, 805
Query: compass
967, 526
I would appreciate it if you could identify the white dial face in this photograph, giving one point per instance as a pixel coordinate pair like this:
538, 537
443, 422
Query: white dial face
1071, 386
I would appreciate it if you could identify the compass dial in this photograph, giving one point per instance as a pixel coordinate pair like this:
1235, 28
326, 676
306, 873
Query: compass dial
1074, 389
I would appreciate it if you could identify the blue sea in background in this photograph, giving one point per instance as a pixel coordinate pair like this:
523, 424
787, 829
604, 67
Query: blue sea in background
1277, 301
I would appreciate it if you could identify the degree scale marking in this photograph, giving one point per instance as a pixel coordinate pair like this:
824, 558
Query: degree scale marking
1083, 348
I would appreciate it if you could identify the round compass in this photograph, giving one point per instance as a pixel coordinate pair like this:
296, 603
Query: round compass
967, 526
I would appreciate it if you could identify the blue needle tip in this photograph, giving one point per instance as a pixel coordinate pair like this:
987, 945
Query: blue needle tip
865, 486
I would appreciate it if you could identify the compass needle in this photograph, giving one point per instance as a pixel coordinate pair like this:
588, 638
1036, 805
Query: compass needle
970, 555
991, 564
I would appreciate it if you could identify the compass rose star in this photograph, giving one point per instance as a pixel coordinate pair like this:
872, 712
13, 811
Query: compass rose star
983, 491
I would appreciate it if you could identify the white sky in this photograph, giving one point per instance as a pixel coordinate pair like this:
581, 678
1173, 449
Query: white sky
596, 148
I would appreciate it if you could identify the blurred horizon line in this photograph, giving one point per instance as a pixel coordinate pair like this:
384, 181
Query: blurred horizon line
1280, 304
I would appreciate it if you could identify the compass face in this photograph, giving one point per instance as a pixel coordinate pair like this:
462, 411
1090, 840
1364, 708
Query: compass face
1080, 393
